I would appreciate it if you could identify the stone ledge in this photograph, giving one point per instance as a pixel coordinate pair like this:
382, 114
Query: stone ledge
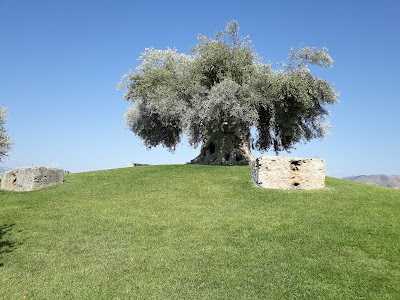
288, 173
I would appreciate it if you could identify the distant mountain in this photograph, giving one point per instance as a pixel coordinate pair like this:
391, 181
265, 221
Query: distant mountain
392, 181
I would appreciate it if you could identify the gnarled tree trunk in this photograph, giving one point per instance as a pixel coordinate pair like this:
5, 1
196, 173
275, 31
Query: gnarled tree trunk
225, 149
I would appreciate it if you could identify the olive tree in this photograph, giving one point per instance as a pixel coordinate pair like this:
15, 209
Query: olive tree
222, 90
5, 139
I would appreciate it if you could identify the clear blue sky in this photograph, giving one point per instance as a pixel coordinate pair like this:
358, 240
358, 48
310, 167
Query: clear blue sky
60, 62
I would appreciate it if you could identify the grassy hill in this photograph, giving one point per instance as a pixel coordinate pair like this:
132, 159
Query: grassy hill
198, 232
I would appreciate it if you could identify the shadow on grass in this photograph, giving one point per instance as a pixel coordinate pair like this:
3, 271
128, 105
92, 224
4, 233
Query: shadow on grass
6, 246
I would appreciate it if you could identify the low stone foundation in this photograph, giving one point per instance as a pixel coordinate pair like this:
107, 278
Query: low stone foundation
31, 178
288, 173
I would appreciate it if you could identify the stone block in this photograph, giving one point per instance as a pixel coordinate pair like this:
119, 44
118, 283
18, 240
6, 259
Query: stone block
31, 178
132, 165
288, 173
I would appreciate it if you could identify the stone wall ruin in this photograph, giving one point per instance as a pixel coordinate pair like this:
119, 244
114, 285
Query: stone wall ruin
287, 173
31, 178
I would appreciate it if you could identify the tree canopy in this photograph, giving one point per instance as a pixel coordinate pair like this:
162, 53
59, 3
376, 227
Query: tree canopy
220, 91
5, 139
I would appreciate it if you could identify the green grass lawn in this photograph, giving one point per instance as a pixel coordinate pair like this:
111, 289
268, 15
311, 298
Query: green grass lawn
198, 232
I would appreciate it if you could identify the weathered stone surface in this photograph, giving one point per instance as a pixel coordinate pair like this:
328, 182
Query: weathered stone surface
132, 165
288, 173
31, 178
